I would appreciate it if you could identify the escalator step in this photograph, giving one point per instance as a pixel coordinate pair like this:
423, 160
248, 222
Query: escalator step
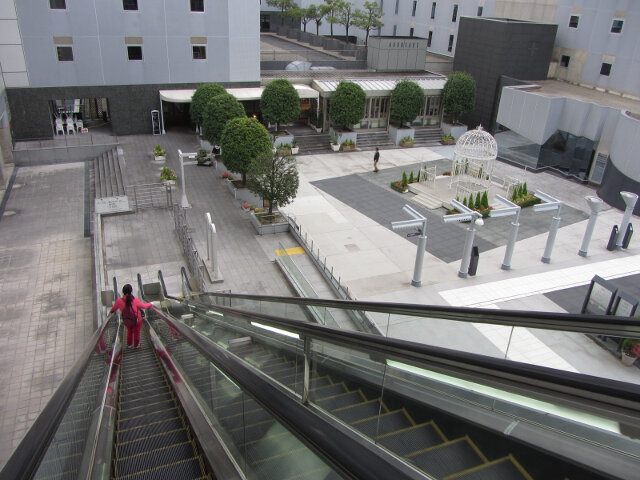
386, 423
236, 408
158, 440
412, 439
341, 401
149, 429
141, 420
145, 410
258, 415
129, 396
448, 458
317, 394
62, 467
181, 470
150, 458
503, 469
137, 401
279, 369
251, 433
314, 383
359, 411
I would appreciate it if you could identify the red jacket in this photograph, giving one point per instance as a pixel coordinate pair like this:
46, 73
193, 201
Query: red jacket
137, 305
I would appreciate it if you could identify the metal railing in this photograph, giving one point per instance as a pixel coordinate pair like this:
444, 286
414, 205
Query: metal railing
153, 195
194, 262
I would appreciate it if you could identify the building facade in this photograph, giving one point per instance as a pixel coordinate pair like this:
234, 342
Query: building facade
119, 54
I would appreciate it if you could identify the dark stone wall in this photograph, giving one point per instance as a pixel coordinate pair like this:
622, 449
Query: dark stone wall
129, 106
488, 48
614, 182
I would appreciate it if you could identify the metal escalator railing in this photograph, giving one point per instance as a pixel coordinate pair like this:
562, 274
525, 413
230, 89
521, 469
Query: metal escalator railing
592, 420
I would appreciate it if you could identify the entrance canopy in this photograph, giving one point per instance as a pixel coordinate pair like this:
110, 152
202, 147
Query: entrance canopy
241, 94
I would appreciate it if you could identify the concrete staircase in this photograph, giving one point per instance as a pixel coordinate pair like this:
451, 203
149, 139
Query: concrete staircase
368, 140
313, 143
107, 176
424, 198
427, 136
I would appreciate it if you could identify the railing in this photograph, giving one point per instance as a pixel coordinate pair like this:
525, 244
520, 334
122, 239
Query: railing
194, 262
153, 195
78, 150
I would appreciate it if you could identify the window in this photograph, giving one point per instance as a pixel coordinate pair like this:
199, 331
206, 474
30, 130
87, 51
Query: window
197, 5
450, 47
480, 8
573, 21
433, 10
429, 38
397, 3
413, 11
134, 52
454, 17
130, 4
395, 29
564, 60
605, 69
58, 5
616, 26
199, 52
411, 32
65, 54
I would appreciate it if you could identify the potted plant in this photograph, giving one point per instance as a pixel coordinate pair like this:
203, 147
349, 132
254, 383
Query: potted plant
630, 350
348, 145
202, 158
447, 140
168, 176
284, 149
407, 142
295, 148
159, 155
335, 146
458, 98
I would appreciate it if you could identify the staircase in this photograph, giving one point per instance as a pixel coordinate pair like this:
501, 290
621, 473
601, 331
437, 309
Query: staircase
313, 144
427, 136
107, 176
369, 140
153, 438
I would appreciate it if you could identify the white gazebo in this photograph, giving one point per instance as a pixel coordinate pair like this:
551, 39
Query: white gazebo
473, 161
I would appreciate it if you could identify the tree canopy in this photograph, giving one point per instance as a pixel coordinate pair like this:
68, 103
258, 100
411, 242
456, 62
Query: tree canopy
407, 99
459, 95
280, 102
345, 17
200, 99
347, 104
283, 5
217, 113
368, 18
317, 13
243, 140
274, 177
332, 9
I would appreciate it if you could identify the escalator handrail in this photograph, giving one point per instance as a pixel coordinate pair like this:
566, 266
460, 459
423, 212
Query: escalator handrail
352, 456
610, 325
497, 371
26, 458
185, 278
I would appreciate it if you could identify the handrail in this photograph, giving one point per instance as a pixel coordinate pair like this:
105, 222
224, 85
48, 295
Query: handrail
600, 394
592, 324
26, 458
162, 284
140, 289
361, 459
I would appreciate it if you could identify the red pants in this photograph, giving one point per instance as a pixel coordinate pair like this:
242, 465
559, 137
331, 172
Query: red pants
133, 334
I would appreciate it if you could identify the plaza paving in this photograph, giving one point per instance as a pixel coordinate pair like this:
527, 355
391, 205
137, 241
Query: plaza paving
46, 279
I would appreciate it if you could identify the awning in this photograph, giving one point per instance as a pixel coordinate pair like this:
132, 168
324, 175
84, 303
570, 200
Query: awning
382, 87
241, 94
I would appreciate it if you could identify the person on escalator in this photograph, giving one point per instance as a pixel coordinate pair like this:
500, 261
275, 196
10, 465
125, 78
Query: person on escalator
129, 307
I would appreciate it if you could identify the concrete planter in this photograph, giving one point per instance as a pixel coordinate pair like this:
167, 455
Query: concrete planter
159, 158
455, 130
317, 41
265, 229
306, 37
343, 135
398, 133
295, 150
282, 140
335, 147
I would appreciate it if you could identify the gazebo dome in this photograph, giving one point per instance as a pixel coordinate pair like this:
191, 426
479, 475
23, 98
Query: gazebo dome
477, 145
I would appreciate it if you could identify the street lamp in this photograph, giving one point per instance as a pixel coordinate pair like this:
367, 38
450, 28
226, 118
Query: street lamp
510, 210
419, 222
549, 204
467, 215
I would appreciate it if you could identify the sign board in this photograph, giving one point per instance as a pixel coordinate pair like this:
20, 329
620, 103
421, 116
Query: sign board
624, 305
108, 205
599, 298
84, 130
155, 122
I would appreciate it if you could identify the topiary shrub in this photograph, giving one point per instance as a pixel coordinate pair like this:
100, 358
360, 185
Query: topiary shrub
200, 98
458, 95
347, 104
404, 179
280, 102
407, 99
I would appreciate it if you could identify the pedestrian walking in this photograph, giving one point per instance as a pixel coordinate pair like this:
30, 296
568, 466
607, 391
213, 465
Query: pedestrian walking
129, 307
376, 157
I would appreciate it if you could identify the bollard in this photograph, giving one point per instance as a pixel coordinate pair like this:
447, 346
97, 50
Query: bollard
627, 236
611, 246
473, 262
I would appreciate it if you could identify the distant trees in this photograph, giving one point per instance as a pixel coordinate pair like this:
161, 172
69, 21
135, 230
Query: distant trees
243, 140
332, 11
368, 18
200, 99
217, 113
407, 99
344, 15
459, 95
280, 102
347, 104
283, 5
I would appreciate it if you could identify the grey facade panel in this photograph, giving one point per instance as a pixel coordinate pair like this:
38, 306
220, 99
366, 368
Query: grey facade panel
614, 182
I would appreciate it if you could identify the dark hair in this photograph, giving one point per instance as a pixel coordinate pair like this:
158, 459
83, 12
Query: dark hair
126, 291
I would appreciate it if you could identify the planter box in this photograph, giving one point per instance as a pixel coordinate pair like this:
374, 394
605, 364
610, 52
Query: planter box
455, 130
343, 135
335, 147
159, 159
282, 139
398, 133
261, 229
295, 150
348, 148
317, 41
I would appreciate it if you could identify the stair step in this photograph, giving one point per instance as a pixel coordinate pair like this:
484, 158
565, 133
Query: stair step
148, 429
179, 469
148, 409
158, 440
506, 468
358, 411
448, 458
412, 439
385, 423
342, 400
141, 420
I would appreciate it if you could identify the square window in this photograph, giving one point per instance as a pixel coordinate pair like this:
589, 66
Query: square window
454, 17
564, 60
616, 26
605, 69
573, 21
197, 5
429, 38
65, 54
450, 47
199, 52
480, 9
130, 4
433, 10
58, 4
134, 52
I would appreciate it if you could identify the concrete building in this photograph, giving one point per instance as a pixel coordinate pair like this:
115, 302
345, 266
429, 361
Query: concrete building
116, 56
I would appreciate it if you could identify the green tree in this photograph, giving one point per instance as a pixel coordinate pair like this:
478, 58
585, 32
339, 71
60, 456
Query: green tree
302, 14
411, 177
217, 113
345, 17
464, 201
404, 179
243, 139
485, 200
478, 203
280, 102
347, 104
200, 99
525, 192
273, 177
407, 99
459, 95
332, 10
283, 5
369, 18
317, 13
